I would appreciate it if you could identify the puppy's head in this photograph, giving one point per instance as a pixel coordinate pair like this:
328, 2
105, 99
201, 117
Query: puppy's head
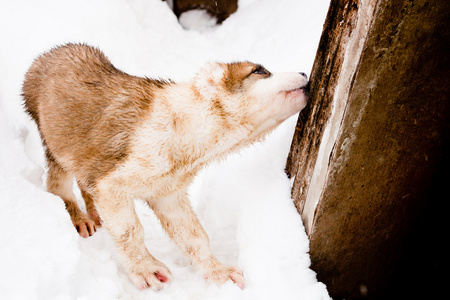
249, 93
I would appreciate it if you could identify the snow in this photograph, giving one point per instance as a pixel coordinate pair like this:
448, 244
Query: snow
243, 202
197, 19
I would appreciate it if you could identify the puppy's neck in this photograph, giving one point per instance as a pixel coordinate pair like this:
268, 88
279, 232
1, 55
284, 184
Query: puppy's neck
202, 128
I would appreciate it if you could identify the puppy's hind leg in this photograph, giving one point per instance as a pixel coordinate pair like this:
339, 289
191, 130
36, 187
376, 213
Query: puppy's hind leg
60, 183
90, 206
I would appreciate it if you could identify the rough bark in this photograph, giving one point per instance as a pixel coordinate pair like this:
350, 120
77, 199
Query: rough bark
339, 25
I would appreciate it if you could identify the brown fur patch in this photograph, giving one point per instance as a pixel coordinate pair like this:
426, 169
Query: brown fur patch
91, 108
235, 75
238, 73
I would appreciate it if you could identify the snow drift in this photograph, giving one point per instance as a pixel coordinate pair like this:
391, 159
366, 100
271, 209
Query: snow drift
243, 203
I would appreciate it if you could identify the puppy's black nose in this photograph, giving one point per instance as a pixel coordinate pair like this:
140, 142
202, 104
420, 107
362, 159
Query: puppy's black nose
304, 75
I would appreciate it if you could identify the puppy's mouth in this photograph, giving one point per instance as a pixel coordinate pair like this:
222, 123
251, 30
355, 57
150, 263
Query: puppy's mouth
304, 89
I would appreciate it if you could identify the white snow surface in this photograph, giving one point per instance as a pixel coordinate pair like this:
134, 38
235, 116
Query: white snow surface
243, 202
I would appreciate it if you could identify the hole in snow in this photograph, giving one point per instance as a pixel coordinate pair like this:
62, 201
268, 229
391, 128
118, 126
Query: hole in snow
197, 19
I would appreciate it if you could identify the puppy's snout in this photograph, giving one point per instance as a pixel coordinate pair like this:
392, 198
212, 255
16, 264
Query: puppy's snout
303, 74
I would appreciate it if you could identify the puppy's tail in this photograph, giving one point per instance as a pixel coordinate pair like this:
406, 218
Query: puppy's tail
30, 92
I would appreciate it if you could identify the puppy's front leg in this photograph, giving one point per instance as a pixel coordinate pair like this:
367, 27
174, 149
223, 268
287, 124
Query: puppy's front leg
180, 222
119, 217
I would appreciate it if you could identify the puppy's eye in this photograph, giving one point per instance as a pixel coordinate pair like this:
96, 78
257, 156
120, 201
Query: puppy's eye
260, 70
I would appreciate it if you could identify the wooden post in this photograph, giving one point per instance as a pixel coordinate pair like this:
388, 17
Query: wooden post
368, 156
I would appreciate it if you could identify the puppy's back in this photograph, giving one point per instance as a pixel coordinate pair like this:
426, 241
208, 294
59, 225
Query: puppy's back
86, 109
60, 68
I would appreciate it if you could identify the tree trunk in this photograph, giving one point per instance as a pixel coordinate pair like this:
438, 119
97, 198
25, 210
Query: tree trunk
368, 156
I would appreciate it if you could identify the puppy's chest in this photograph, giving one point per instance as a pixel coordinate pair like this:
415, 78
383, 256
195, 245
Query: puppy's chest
154, 176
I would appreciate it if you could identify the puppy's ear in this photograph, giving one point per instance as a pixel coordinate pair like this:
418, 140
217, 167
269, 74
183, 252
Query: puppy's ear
209, 80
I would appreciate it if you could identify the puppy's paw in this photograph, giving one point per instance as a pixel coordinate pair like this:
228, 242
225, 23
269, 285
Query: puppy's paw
221, 273
154, 277
85, 227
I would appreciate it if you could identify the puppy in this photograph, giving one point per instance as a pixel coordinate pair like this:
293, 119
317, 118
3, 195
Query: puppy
125, 137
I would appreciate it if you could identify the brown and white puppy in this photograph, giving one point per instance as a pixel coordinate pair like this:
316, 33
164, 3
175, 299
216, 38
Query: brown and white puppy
124, 137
